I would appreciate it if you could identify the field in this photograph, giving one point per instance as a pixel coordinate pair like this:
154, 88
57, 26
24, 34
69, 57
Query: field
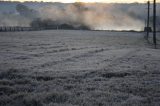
78, 68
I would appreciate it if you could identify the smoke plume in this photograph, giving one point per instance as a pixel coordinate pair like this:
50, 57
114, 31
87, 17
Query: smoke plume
96, 16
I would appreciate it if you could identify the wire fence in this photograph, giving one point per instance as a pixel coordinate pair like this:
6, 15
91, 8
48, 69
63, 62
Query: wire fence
17, 28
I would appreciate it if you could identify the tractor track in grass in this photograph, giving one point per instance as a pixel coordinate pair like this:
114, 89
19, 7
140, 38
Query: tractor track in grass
108, 67
70, 59
118, 60
102, 72
58, 50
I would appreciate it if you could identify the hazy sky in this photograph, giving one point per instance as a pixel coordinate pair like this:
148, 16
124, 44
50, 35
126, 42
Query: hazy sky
107, 1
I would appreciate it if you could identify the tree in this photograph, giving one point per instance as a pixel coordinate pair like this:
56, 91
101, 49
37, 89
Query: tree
26, 11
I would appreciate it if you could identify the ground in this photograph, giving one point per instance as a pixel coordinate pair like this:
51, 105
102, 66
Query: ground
78, 68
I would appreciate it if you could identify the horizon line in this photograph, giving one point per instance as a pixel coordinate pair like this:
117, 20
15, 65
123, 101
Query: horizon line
76, 2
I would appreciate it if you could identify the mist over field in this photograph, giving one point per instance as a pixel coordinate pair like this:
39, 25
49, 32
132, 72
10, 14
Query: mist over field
95, 16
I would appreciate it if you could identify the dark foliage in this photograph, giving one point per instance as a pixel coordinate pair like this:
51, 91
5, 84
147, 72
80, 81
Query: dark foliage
49, 24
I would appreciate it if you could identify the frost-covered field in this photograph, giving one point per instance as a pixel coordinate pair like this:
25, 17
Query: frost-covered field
78, 68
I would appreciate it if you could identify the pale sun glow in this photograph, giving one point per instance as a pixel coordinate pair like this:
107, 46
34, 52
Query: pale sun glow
88, 1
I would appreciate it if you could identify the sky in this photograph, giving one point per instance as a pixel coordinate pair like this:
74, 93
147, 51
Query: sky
103, 1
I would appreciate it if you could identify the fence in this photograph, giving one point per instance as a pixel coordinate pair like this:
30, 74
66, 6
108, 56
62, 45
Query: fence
16, 28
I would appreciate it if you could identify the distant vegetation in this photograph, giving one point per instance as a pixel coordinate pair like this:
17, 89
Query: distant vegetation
25, 11
50, 24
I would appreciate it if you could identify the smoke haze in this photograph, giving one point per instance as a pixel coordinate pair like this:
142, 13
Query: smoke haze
96, 16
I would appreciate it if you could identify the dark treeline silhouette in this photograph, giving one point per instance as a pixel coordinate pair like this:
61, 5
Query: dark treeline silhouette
42, 25
50, 24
